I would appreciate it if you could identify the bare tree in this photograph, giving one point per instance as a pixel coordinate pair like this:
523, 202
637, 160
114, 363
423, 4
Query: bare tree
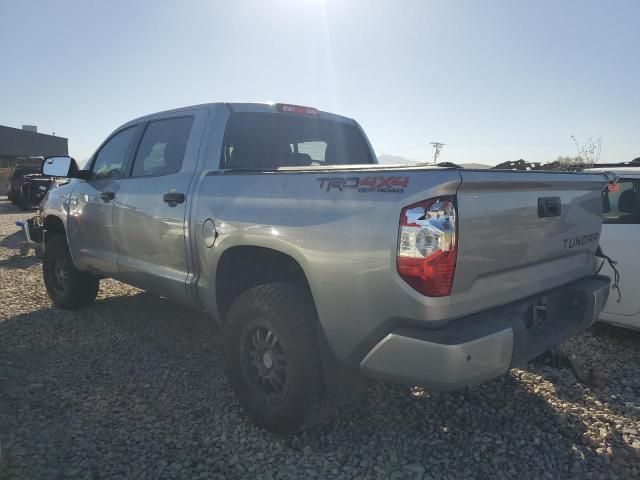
589, 152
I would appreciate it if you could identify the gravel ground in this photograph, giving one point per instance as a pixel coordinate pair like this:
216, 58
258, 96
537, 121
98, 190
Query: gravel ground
134, 387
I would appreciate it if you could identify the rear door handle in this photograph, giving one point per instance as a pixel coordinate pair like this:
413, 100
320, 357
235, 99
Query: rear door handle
107, 196
173, 198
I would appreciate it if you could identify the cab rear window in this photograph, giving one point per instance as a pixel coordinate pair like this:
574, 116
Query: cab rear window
268, 141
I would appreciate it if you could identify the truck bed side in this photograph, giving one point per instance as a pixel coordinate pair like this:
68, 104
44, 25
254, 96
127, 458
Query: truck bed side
345, 240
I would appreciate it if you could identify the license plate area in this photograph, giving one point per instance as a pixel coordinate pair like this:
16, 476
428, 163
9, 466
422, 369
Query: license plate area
546, 321
554, 311
536, 314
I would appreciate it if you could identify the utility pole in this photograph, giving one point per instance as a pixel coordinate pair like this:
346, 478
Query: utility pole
437, 146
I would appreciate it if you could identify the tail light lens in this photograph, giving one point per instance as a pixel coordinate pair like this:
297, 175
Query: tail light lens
427, 247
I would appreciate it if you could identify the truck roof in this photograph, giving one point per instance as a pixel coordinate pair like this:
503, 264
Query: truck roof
241, 107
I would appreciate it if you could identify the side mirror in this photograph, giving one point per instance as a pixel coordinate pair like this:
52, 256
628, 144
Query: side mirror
61, 167
57, 166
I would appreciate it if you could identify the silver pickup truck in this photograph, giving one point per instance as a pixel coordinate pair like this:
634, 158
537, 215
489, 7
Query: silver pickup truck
324, 267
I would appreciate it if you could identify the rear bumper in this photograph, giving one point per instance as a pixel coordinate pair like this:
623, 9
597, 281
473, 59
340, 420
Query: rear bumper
485, 345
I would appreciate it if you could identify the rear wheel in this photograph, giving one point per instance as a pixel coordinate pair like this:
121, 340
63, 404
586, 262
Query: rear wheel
68, 287
272, 357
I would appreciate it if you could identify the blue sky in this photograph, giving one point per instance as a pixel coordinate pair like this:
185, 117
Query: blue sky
493, 80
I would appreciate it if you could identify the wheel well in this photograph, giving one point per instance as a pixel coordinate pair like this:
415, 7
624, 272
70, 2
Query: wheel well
241, 268
53, 226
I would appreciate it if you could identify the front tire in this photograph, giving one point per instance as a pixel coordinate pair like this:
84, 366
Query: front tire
272, 357
68, 287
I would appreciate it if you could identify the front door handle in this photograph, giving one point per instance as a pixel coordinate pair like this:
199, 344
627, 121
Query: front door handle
173, 198
107, 196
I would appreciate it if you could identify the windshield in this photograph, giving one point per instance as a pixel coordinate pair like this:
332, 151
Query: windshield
259, 141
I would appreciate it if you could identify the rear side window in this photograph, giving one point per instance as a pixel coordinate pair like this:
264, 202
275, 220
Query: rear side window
622, 202
272, 140
161, 150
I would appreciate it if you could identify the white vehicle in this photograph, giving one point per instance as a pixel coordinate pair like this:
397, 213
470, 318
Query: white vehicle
620, 234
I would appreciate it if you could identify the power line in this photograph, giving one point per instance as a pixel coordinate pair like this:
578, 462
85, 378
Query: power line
437, 146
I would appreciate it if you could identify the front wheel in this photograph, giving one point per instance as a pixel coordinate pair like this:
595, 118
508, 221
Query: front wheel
68, 287
272, 357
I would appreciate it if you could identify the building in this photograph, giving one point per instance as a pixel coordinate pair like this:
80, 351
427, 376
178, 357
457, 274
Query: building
15, 143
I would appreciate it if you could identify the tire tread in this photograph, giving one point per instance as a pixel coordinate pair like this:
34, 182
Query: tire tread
292, 303
83, 286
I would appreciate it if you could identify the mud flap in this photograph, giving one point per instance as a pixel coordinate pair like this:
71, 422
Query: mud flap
343, 385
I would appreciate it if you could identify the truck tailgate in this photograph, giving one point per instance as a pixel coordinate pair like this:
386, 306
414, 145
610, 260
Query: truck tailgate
521, 233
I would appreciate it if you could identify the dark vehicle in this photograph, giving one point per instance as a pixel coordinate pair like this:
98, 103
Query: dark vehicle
32, 189
16, 179
27, 186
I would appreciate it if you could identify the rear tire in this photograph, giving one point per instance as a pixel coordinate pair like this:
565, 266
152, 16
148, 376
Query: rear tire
272, 357
68, 287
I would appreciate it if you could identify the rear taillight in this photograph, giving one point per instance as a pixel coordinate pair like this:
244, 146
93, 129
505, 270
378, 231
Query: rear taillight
427, 246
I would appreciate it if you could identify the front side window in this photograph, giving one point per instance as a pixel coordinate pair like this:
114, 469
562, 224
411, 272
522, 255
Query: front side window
112, 155
622, 202
272, 140
162, 147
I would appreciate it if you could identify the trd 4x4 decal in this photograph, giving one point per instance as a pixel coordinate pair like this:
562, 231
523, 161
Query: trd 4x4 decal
365, 184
